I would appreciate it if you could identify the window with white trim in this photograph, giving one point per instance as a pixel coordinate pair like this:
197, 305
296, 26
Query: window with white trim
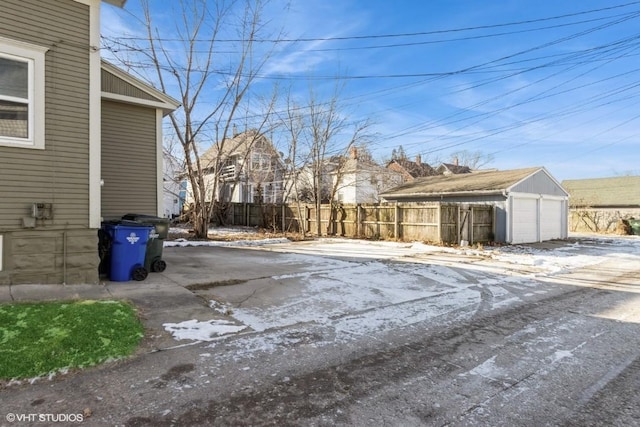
21, 94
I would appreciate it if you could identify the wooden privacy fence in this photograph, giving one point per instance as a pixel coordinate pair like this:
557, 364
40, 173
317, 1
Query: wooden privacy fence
429, 222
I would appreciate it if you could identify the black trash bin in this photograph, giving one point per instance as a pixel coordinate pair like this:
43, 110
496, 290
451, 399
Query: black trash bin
104, 251
153, 259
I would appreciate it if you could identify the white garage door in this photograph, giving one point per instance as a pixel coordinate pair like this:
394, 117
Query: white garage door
524, 220
551, 219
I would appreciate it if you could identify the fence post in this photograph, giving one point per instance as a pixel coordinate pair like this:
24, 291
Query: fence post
439, 221
458, 226
471, 238
396, 221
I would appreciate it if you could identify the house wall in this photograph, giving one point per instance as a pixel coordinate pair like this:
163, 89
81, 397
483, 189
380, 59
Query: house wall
129, 165
244, 188
364, 186
63, 248
173, 187
348, 189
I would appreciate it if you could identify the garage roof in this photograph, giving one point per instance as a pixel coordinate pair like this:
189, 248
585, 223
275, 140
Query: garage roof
479, 182
604, 192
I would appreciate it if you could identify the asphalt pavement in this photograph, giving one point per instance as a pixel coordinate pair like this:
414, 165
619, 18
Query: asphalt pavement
555, 357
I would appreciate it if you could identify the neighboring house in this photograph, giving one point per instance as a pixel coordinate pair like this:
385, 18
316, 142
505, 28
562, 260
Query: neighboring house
351, 179
243, 169
175, 186
79, 140
530, 205
361, 180
452, 168
596, 205
411, 170
299, 184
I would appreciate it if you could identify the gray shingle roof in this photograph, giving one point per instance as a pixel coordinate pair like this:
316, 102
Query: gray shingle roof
413, 169
453, 168
616, 191
480, 181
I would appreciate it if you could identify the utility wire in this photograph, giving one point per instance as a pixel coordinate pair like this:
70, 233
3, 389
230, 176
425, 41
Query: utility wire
413, 34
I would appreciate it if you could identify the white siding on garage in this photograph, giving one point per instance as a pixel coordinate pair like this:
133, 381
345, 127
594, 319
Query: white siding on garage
524, 220
551, 219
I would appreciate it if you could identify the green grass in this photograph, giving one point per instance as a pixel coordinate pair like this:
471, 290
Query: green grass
41, 338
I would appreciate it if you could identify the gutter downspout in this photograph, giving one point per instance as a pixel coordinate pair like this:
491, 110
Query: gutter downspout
64, 258
508, 226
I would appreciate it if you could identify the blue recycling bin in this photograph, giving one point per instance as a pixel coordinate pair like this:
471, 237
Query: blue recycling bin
128, 249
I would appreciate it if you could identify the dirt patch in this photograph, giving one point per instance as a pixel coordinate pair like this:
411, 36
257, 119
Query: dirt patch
227, 234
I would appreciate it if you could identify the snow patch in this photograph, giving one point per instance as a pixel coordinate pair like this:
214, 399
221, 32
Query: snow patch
202, 331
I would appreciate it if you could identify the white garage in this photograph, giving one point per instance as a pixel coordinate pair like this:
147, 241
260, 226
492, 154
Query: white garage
529, 204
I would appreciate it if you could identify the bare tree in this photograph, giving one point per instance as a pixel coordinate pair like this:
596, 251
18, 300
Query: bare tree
293, 124
472, 159
212, 98
584, 215
321, 138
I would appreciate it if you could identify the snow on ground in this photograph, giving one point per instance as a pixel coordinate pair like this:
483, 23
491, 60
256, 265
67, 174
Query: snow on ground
228, 233
234, 243
202, 331
355, 290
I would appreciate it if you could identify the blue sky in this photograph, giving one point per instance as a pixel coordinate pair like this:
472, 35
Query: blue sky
527, 83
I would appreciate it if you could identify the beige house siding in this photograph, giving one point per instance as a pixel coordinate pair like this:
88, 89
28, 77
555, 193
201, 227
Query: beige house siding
61, 249
129, 162
116, 85
58, 174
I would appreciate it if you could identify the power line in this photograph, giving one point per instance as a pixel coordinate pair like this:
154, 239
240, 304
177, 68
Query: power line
494, 71
412, 34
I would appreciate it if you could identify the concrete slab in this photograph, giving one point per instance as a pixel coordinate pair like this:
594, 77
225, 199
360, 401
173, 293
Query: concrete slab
262, 292
5, 294
36, 292
202, 265
162, 301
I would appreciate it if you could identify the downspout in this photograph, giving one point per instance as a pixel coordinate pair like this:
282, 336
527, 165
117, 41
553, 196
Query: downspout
539, 219
64, 258
95, 88
507, 205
